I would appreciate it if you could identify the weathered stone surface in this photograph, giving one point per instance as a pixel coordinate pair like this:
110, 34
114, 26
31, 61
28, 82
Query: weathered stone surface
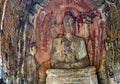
69, 72
72, 76
72, 80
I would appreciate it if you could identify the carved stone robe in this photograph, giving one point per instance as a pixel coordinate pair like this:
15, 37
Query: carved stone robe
69, 53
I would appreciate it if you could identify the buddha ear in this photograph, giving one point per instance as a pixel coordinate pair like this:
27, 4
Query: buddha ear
73, 27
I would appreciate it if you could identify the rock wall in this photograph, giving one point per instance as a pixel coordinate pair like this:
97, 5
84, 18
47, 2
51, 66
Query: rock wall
12, 35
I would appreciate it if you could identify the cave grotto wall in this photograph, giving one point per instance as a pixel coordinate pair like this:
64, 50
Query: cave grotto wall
36, 23
113, 51
12, 36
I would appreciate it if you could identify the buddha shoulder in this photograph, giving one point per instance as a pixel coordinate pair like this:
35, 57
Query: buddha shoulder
78, 39
57, 40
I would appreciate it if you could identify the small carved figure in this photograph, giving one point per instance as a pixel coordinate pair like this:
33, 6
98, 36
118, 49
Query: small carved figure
69, 51
32, 66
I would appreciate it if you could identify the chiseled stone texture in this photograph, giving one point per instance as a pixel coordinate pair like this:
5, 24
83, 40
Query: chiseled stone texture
72, 76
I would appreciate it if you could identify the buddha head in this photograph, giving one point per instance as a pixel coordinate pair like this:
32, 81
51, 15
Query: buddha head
68, 24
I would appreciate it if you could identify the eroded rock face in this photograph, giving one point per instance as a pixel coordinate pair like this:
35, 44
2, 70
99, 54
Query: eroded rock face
12, 43
113, 43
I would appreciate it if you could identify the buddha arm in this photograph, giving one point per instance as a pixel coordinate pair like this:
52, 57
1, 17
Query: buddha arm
82, 52
60, 65
82, 58
84, 62
79, 64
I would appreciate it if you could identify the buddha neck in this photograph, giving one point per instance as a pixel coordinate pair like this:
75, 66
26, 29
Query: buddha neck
68, 36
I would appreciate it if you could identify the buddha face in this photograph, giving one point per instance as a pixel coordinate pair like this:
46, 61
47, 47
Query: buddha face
68, 24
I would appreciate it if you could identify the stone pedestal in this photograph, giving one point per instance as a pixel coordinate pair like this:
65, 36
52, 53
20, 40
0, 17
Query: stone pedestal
72, 76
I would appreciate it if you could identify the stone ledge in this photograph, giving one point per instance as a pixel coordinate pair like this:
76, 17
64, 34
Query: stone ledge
72, 76
70, 72
72, 80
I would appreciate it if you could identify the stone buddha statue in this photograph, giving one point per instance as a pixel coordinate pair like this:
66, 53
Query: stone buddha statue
69, 60
69, 51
